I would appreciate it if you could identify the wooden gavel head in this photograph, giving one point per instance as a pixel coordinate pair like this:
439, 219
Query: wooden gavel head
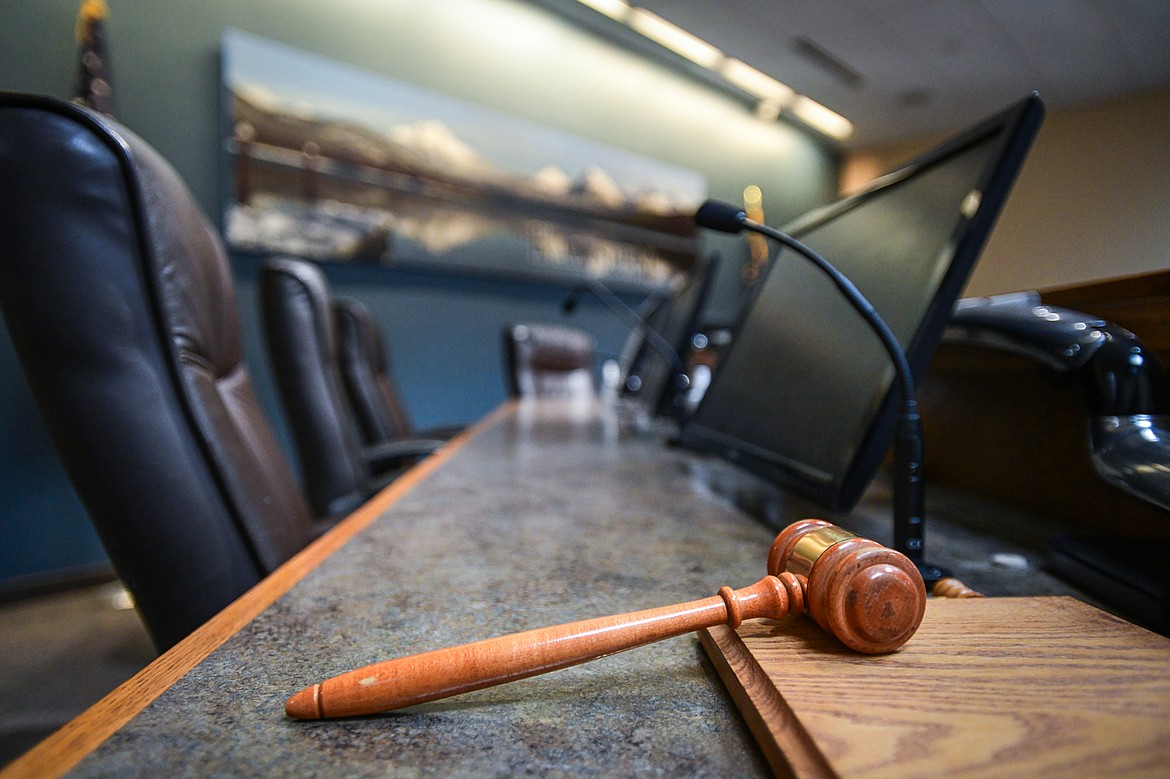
869, 596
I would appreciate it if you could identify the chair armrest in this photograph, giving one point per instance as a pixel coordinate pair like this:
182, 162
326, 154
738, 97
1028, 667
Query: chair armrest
400, 454
1125, 387
440, 432
1020, 323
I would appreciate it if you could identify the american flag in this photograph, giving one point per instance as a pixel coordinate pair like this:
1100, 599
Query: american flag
93, 87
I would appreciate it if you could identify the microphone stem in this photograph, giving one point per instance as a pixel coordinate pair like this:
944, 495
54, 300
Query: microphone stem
909, 492
909, 489
901, 367
634, 322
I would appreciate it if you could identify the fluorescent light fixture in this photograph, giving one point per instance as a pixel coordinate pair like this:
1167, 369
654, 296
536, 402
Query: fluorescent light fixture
767, 110
774, 96
614, 9
817, 116
754, 82
674, 38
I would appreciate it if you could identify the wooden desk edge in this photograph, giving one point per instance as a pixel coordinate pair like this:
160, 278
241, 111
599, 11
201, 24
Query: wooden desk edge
786, 745
68, 746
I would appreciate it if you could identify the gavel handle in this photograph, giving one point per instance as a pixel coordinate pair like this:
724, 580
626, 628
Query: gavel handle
394, 684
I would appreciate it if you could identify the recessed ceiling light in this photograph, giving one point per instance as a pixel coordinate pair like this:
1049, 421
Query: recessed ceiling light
826, 120
773, 96
674, 38
754, 82
614, 9
768, 110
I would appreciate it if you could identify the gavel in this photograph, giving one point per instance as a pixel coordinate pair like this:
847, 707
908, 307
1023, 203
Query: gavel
870, 597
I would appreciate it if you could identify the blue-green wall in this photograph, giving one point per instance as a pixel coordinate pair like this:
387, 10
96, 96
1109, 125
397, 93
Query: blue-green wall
514, 56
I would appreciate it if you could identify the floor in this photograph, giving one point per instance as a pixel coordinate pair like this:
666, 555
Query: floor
93, 631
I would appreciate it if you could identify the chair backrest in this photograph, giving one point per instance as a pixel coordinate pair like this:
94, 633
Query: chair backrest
365, 371
120, 302
549, 360
302, 346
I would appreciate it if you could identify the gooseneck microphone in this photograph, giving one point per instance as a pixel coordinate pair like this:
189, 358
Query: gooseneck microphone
909, 490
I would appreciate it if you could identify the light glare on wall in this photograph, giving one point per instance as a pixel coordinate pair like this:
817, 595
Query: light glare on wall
674, 38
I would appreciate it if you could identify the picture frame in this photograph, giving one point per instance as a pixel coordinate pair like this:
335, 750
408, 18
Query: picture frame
332, 163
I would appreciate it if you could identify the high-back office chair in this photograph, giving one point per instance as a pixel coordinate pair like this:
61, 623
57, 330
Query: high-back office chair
339, 474
1125, 387
1125, 391
377, 406
120, 302
381, 415
548, 360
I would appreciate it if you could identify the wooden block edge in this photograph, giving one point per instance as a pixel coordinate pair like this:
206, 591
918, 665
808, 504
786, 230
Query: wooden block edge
786, 745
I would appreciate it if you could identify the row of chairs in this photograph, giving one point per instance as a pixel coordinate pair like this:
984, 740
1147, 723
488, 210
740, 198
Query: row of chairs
120, 301
121, 304
330, 368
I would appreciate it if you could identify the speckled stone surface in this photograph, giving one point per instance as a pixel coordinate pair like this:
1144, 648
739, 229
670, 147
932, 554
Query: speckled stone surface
537, 521
550, 516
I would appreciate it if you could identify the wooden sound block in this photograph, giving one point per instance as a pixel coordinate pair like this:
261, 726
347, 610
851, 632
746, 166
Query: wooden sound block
988, 687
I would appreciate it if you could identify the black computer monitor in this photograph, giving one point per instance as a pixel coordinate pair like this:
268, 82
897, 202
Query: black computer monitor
805, 394
657, 381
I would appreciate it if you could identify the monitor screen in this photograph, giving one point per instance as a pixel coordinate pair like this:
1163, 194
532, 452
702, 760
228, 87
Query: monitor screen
805, 395
653, 379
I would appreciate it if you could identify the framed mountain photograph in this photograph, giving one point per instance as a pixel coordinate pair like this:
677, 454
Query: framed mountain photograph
328, 162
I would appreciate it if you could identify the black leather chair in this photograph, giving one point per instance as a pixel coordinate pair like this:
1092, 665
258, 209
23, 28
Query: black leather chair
339, 473
1126, 394
120, 303
381, 415
1125, 387
548, 360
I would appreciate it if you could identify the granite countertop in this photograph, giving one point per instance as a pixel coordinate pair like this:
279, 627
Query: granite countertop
537, 521
551, 515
